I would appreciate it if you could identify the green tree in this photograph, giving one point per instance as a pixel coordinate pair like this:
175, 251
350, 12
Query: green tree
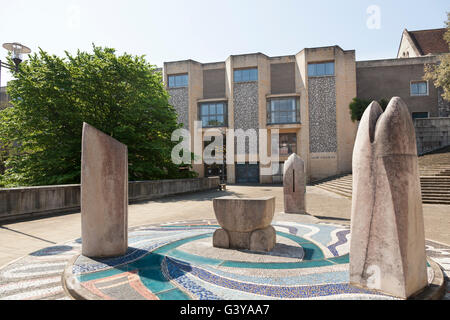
440, 73
52, 96
358, 106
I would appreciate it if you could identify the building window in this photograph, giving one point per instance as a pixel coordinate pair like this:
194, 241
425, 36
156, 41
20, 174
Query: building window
283, 110
321, 69
177, 81
245, 75
287, 143
213, 114
419, 88
419, 115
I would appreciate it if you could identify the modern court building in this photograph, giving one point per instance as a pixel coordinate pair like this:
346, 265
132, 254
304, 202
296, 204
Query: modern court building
305, 96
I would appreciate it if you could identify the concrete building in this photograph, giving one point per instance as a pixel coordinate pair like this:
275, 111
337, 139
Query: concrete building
383, 79
305, 96
403, 77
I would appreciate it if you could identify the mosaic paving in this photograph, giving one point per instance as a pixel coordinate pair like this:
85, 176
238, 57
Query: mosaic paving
177, 261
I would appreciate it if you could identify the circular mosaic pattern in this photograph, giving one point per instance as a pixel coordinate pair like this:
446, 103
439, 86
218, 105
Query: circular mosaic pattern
177, 261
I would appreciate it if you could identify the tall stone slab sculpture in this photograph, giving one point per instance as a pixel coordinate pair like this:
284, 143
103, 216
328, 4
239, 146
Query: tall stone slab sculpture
104, 194
294, 184
387, 249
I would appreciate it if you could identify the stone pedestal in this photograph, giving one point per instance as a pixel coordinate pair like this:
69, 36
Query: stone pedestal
387, 250
104, 194
245, 223
294, 184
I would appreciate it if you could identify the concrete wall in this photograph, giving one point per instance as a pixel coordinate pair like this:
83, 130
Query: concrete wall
25, 202
432, 134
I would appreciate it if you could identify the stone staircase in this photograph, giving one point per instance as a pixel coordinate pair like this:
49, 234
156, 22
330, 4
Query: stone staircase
434, 171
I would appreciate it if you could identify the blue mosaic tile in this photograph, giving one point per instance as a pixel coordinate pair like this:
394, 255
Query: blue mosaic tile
342, 238
154, 280
51, 251
181, 279
274, 291
174, 294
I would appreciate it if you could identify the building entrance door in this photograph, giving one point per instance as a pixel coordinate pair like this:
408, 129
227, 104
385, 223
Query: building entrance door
247, 173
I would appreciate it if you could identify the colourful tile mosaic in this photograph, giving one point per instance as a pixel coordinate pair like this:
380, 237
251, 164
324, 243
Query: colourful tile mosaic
157, 266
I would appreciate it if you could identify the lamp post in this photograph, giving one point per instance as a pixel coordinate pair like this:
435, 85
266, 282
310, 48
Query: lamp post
17, 51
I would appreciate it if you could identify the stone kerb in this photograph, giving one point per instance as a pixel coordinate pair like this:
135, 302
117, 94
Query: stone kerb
246, 223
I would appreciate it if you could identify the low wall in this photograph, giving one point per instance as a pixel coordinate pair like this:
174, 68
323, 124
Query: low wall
25, 202
432, 134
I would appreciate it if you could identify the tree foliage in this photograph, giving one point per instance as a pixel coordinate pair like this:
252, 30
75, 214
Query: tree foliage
440, 73
358, 106
52, 96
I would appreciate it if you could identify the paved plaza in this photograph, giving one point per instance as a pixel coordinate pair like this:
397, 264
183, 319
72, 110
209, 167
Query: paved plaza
37, 252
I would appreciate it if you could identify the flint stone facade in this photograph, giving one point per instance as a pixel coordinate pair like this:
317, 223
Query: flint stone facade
179, 99
322, 114
246, 108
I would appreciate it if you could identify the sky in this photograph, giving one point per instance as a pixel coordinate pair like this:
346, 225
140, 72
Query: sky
212, 30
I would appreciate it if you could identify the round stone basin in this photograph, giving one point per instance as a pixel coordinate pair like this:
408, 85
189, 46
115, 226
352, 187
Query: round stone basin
244, 214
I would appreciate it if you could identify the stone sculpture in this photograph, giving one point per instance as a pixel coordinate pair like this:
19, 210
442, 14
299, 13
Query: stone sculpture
387, 250
294, 185
245, 223
104, 194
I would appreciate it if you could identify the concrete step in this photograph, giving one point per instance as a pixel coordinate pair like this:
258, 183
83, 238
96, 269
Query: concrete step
443, 202
433, 195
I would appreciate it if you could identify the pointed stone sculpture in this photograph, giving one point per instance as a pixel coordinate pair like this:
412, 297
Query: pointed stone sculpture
294, 184
104, 194
387, 249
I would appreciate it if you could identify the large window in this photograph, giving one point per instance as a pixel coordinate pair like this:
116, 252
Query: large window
419, 115
213, 114
321, 69
244, 75
419, 88
283, 110
180, 80
287, 143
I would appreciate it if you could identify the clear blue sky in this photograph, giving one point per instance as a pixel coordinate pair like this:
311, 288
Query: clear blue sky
211, 30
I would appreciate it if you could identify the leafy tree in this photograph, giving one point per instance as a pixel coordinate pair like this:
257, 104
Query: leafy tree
52, 96
358, 106
440, 73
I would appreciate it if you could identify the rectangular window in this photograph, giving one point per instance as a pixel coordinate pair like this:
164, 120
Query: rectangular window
245, 75
419, 115
321, 69
177, 81
287, 144
213, 114
283, 110
419, 88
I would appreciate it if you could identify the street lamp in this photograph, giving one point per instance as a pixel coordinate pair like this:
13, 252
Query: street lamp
17, 50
